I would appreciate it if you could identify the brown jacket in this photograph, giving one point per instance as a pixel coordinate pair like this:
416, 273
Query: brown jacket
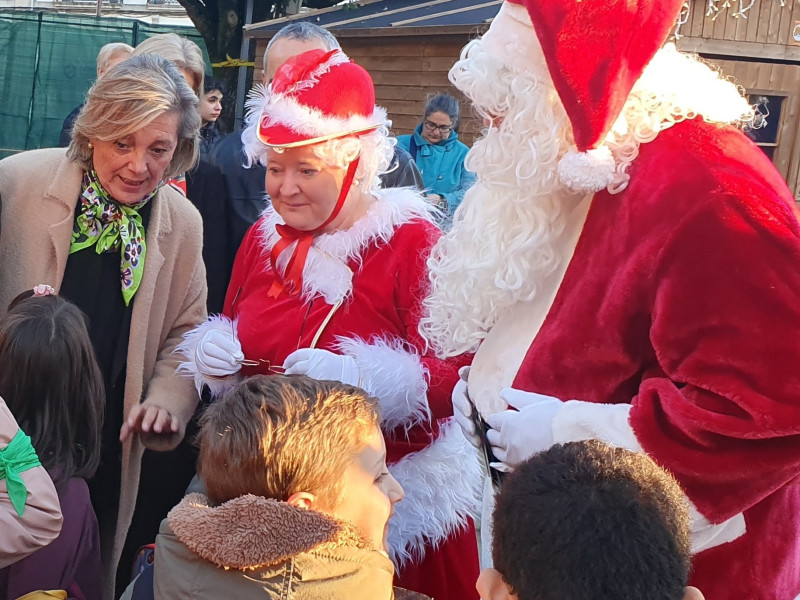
252, 547
39, 190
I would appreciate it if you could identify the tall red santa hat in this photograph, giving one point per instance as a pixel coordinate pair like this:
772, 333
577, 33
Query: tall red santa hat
595, 52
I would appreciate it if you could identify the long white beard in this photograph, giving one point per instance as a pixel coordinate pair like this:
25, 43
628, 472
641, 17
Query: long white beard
500, 244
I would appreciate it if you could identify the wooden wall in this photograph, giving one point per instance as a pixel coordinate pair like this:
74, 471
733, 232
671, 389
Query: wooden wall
405, 71
775, 80
765, 33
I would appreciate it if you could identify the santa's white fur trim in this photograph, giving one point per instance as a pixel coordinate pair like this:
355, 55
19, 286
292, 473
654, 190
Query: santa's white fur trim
443, 488
393, 373
188, 348
587, 172
326, 272
577, 421
286, 110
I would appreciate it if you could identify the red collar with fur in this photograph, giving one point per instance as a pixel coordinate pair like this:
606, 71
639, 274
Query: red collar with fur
250, 532
326, 272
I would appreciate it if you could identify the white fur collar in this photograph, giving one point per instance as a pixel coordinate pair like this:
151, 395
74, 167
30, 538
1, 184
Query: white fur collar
326, 272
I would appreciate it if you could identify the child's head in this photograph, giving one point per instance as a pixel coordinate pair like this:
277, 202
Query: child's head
51, 382
586, 521
314, 444
211, 101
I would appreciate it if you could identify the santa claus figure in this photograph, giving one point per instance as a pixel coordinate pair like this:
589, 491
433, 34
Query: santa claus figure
329, 283
628, 268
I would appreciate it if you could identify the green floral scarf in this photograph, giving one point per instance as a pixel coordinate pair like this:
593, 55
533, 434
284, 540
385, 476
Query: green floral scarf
112, 227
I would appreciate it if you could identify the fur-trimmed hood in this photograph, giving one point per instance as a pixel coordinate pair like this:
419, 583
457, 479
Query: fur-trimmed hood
254, 547
251, 531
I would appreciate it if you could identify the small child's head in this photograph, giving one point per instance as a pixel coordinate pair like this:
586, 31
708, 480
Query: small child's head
587, 521
211, 102
51, 382
314, 444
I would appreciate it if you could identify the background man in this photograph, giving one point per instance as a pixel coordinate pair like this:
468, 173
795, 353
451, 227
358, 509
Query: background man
109, 55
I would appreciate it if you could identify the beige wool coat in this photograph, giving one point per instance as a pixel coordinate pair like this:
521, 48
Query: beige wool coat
39, 190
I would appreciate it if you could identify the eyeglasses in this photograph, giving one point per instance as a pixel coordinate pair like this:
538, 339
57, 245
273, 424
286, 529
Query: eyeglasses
430, 126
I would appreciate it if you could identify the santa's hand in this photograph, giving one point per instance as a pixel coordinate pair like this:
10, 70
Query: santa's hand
518, 434
463, 410
219, 354
321, 364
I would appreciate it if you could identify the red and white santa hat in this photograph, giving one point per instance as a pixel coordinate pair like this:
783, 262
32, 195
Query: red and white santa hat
317, 96
595, 52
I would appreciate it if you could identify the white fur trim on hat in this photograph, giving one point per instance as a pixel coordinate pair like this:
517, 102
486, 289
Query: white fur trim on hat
286, 110
587, 172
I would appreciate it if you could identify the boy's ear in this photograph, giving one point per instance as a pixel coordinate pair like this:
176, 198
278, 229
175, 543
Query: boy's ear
302, 500
491, 586
692, 593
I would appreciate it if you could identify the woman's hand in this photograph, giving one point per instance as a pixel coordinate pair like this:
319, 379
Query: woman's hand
437, 200
157, 427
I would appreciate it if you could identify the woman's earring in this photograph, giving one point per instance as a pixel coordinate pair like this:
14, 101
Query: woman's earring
90, 145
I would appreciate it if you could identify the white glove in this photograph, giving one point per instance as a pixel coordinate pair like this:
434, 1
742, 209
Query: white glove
463, 410
219, 354
321, 364
518, 434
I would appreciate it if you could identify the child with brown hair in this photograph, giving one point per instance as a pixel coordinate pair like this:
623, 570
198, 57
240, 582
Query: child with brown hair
298, 498
51, 382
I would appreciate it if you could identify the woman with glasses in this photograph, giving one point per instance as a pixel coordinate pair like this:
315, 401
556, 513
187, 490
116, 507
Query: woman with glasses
439, 154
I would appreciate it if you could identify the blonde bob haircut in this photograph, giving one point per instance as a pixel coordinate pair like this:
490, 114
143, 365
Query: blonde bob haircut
273, 436
186, 55
130, 97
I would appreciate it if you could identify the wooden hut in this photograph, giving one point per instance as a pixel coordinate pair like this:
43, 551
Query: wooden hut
409, 47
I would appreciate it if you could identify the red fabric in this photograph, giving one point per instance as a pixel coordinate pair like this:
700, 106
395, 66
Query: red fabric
449, 573
388, 287
683, 298
595, 52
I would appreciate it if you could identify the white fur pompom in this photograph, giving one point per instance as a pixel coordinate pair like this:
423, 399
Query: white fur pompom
585, 172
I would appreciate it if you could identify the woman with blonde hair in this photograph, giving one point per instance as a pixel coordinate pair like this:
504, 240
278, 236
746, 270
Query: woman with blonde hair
98, 225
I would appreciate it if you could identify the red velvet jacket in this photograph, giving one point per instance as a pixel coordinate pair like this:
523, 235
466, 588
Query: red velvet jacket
682, 299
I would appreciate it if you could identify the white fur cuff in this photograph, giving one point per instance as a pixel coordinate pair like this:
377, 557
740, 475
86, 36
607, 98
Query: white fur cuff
188, 349
443, 488
395, 375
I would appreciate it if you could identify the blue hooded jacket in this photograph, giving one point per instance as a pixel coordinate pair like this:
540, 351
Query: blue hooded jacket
441, 166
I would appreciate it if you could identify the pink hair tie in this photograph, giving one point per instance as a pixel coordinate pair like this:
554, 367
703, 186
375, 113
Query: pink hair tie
43, 290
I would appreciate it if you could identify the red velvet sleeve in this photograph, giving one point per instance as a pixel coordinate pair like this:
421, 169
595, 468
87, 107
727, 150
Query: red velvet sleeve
724, 416
412, 288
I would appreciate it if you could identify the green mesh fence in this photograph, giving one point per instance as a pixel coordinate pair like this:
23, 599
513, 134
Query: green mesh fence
48, 65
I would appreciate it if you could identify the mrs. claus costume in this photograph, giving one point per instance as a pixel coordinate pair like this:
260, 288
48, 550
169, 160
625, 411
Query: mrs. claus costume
349, 310
656, 305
